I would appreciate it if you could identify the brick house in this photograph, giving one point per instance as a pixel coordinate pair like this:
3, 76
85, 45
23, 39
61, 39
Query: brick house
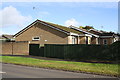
105, 37
41, 32
87, 37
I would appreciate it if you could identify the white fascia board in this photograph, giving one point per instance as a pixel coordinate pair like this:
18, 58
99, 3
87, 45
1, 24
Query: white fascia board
95, 30
85, 35
85, 32
12, 39
96, 36
88, 35
74, 34
81, 34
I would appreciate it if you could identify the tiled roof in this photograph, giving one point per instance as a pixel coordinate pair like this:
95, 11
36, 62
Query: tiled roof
74, 28
56, 26
95, 32
5, 36
103, 33
63, 27
107, 34
84, 31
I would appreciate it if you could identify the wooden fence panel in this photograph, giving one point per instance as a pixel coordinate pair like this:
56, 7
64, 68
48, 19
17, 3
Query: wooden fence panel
80, 51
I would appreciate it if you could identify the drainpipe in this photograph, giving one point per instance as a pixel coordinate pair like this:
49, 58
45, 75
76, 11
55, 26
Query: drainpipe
12, 46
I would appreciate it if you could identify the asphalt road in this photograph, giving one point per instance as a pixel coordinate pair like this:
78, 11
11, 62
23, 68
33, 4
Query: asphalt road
16, 71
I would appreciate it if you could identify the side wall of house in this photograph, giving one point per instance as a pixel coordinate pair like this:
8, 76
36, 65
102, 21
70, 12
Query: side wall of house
82, 40
109, 40
47, 35
69, 39
94, 40
16, 48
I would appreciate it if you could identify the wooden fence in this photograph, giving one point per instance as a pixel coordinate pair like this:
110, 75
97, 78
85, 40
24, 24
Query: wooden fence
77, 51
82, 51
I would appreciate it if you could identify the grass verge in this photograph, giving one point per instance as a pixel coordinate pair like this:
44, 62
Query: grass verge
97, 68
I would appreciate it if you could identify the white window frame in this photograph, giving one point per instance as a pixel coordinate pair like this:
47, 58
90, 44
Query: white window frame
97, 41
104, 41
74, 40
115, 39
33, 38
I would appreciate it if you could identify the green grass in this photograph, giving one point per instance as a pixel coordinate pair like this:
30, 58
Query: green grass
97, 68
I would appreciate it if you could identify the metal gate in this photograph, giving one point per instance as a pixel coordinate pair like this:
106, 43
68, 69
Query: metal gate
36, 50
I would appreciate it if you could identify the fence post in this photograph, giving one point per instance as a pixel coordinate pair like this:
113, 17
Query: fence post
12, 48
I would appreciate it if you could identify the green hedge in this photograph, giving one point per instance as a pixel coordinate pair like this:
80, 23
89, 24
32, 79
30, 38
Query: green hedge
83, 51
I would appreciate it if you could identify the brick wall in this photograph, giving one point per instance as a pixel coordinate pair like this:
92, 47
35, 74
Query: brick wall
47, 35
109, 40
82, 40
16, 48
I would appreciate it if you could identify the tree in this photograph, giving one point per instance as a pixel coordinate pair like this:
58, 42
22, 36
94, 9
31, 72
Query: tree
81, 27
86, 27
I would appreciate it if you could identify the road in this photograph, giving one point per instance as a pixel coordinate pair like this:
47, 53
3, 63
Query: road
17, 71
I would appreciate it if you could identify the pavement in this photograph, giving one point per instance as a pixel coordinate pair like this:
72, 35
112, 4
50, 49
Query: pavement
17, 71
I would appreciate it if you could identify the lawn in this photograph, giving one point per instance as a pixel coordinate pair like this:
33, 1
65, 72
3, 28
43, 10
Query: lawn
96, 68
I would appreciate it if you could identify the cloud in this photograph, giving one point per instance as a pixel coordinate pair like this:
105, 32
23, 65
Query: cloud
11, 16
72, 22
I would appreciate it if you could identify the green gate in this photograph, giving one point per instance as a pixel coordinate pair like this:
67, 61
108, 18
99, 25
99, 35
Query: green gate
36, 50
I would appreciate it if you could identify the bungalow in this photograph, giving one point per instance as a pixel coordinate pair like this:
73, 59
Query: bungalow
41, 32
105, 37
6, 37
89, 38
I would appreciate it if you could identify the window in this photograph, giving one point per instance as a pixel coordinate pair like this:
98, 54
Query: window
36, 38
115, 39
73, 40
104, 41
98, 41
